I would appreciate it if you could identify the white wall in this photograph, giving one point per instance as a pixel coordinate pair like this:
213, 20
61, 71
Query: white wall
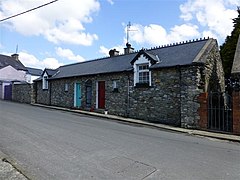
30, 78
11, 74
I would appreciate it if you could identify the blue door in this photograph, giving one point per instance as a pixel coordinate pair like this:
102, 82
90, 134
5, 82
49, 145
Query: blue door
8, 92
78, 96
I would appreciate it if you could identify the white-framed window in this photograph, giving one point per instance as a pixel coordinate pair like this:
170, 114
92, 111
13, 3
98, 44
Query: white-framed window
45, 82
143, 73
66, 87
115, 85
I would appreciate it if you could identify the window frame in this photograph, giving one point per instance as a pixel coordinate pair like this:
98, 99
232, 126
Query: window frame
66, 87
45, 82
144, 70
142, 61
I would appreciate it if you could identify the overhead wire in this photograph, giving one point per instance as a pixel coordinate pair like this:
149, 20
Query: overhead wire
4, 19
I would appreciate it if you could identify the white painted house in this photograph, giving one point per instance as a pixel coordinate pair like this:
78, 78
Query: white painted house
11, 70
33, 74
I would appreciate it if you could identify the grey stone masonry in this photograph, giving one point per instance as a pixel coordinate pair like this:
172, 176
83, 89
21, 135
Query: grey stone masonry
160, 102
213, 70
42, 95
23, 93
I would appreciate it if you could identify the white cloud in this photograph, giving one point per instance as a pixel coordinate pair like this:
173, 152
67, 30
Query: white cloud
111, 2
51, 63
202, 18
214, 16
155, 34
233, 2
183, 32
30, 60
105, 51
62, 21
67, 53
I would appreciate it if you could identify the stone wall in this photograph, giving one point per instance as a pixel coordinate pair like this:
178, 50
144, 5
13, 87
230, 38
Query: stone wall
160, 102
191, 87
213, 70
236, 112
42, 95
170, 99
115, 101
22, 93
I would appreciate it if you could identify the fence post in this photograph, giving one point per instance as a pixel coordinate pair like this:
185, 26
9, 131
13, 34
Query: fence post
203, 111
236, 112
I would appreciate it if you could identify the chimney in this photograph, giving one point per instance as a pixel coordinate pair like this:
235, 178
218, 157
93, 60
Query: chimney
113, 52
128, 49
15, 56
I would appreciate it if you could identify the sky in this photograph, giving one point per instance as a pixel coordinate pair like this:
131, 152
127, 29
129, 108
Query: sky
71, 31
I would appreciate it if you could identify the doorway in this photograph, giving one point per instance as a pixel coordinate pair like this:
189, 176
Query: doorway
88, 85
101, 94
77, 95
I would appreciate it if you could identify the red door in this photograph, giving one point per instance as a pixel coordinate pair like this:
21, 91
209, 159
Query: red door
101, 94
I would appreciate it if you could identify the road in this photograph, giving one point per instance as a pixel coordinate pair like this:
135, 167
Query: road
51, 144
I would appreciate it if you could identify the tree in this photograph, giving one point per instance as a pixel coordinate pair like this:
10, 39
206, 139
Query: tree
227, 50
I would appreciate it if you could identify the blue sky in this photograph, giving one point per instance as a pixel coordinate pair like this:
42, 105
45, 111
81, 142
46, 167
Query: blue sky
70, 31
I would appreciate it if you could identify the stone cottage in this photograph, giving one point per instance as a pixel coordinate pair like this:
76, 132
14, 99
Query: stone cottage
160, 84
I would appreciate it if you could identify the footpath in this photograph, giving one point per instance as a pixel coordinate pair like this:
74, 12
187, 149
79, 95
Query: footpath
9, 172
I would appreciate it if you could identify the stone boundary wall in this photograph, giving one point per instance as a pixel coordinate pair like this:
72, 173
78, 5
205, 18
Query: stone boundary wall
23, 93
203, 111
236, 112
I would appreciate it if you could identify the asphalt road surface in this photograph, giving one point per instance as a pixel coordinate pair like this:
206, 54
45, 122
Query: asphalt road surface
51, 144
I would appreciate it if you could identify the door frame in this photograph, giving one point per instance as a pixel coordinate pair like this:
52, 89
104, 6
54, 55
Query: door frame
97, 93
88, 84
77, 95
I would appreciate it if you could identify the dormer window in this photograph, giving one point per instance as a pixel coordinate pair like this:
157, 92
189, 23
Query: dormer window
45, 83
142, 74
141, 64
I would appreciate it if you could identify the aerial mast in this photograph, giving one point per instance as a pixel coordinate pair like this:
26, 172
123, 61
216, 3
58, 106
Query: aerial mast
128, 29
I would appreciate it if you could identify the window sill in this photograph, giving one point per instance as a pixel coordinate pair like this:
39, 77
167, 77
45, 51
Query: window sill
142, 85
115, 90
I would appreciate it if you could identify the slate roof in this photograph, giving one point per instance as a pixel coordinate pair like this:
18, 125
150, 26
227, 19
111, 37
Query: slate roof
50, 72
35, 71
172, 55
8, 60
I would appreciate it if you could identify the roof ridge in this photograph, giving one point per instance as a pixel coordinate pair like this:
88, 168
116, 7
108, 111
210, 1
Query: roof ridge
97, 59
177, 43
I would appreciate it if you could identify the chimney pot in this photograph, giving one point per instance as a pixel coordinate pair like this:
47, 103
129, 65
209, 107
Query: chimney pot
15, 56
128, 49
113, 52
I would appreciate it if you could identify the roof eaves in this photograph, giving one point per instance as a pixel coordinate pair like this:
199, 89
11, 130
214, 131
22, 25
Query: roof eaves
71, 76
182, 65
